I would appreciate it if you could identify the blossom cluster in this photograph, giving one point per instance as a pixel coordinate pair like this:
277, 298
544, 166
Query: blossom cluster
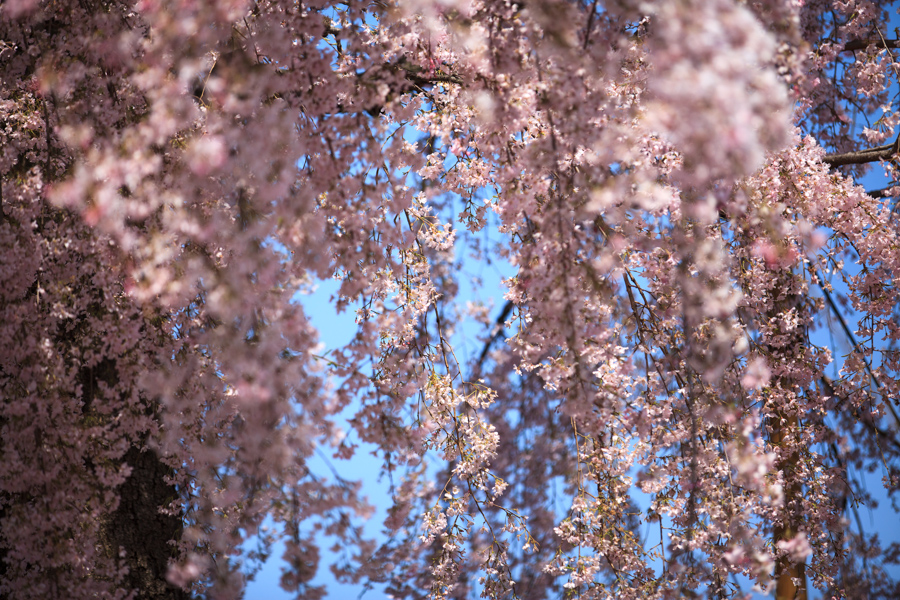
672, 184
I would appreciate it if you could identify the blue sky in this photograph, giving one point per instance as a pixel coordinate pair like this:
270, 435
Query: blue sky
477, 282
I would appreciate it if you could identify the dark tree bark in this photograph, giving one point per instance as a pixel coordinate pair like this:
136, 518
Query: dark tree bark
141, 530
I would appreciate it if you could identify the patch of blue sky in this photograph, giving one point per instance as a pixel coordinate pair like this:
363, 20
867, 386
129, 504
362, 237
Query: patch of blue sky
480, 282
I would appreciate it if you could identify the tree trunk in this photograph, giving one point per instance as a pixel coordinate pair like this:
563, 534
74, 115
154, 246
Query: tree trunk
790, 576
145, 534
786, 570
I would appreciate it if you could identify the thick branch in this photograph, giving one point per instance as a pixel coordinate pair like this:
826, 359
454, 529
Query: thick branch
882, 193
417, 78
862, 156
419, 75
854, 45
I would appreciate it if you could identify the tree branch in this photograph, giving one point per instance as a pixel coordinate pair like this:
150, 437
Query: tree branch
859, 157
854, 45
882, 193
497, 332
865, 420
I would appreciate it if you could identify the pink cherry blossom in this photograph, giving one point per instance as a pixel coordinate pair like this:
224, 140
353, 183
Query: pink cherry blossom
688, 377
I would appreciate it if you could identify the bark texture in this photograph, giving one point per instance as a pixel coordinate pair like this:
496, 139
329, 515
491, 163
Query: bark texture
138, 527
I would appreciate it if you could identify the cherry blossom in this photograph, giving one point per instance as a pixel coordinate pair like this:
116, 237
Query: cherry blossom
682, 389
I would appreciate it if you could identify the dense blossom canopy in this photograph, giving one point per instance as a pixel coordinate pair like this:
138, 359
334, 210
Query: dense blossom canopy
694, 365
